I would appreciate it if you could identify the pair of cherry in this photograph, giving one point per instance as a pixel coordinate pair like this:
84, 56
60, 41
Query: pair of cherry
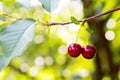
75, 49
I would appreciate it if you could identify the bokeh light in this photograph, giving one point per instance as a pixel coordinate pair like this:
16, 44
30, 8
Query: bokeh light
39, 61
34, 3
84, 73
66, 72
46, 57
38, 39
49, 60
109, 35
111, 23
74, 27
62, 49
24, 67
11, 77
33, 71
1, 6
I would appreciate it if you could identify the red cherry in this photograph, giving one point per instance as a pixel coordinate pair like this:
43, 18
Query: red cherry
88, 51
74, 50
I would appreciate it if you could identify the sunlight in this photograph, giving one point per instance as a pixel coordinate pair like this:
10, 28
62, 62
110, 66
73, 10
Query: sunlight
11, 77
39, 61
74, 27
46, 75
24, 67
49, 60
62, 49
66, 72
25, 3
35, 3
33, 71
38, 39
111, 23
84, 73
65, 5
1, 6
109, 35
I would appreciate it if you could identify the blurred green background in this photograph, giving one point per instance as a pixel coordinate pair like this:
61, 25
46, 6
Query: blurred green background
46, 57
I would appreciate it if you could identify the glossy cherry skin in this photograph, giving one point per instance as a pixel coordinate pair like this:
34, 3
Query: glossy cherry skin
74, 50
88, 51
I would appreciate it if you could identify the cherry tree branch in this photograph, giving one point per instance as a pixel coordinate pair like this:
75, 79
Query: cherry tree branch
84, 20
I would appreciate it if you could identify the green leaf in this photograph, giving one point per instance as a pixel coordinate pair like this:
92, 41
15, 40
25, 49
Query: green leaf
3, 24
14, 39
74, 20
50, 5
118, 19
24, 3
89, 30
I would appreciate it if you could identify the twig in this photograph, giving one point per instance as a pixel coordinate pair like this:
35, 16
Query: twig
99, 15
84, 20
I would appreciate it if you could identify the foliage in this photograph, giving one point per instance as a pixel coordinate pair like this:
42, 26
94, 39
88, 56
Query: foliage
14, 38
50, 5
74, 20
30, 49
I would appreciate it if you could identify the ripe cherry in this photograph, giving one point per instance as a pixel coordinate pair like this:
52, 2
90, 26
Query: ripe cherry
88, 51
74, 50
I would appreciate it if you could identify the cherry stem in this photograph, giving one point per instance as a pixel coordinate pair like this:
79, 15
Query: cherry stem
84, 20
78, 35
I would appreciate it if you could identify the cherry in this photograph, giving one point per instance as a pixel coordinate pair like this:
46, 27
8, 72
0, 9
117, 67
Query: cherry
74, 50
88, 51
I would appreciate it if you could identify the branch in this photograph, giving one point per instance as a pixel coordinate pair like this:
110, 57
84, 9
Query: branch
84, 20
